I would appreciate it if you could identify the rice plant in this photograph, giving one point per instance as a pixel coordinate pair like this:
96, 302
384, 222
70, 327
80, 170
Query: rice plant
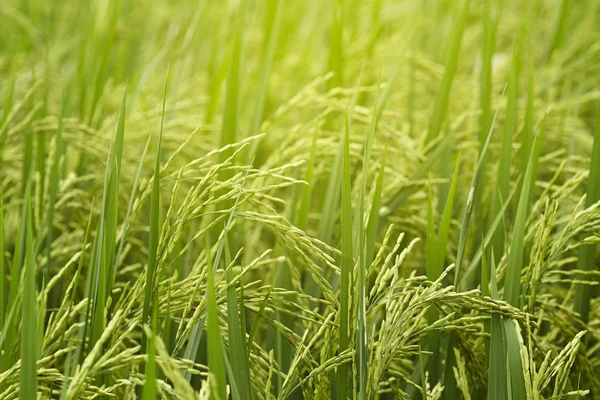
340, 199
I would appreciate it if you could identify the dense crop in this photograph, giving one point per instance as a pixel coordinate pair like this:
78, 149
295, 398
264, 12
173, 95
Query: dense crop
271, 199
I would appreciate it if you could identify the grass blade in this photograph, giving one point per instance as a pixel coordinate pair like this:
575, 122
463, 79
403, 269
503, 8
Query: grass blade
149, 391
218, 74
103, 64
261, 311
559, 30
485, 87
515, 380
485, 94
29, 342
113, 208
331, 202
238, 352
468, 280
15, 273
441, 101
329, 210
587, 253
132, 198
505, 163
431, 245
432, 342
166, 330
59, 151
272, 28
26, 174
527, 135
2, 273
105, 239
450, 386
155, 224
232, 96
73, 357
466, 218
512, 281
335, 62
436, 254
305, 199
373, 222
496, 367
346, 267
444, 228
194, 341
216, 367
361, 289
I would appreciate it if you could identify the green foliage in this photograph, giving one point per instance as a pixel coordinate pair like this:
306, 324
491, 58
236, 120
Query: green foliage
588, 253
347, 268
324, 199
29, 338
215, 347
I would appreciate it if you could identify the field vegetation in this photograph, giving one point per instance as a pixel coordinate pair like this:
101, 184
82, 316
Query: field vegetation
283, 199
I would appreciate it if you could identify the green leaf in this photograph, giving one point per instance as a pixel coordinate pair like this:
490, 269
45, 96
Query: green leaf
436, 253
485, 86
41, 169
218, 73
29, 340
335, 62
261, 311
128, 214
527, 135
55, 174
272, 28
105, 50
431, 245
453, 51
347, 267
118, 155
73, 357
444, 228
363, 251
232, 96
496, 367
15, 274
587, 253
155, 224
431, 268
104, 251
373, 222
305, 199
26, 175
516, 381
512, 280
238, 352
216, 367
451, 389
423, 379
468, 211
166, 332
500, 192
468, 280
2, 272
329, 210
149, 391
559, 29
194, 341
